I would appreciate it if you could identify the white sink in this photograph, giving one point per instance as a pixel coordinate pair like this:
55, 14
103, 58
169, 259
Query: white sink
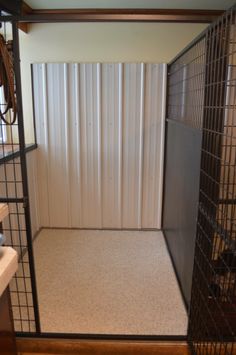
8, 266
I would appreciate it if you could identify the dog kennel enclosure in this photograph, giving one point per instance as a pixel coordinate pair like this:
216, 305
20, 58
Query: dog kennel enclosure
199, 189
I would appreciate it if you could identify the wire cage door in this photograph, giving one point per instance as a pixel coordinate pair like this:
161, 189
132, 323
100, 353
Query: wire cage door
212, 322
14, 192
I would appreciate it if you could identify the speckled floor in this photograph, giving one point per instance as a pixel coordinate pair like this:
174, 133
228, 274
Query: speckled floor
112, 282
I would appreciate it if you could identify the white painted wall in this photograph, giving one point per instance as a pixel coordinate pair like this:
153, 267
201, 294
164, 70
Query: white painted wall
100, 130
99, 42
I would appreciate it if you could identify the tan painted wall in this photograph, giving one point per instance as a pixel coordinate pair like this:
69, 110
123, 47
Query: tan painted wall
99, 42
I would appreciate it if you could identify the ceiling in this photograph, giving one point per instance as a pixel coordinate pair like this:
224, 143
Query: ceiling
161, 4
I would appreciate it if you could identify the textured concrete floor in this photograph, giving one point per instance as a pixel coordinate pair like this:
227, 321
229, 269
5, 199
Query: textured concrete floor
112, 282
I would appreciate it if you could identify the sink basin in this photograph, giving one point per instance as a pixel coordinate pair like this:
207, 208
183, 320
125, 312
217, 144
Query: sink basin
8, 266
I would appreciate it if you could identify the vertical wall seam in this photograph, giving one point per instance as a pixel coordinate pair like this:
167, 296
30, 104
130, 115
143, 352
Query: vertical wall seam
85, 160
91, 134
120, 139
99, 137
46, 133
150, 149
66, 122
78, 139
141, 143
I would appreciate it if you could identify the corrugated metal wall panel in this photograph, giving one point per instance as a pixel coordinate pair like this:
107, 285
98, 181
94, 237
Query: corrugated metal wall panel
90, 119
75, 147
100, 135
112, 81
153, 144
58, 182
132, 145
41, 113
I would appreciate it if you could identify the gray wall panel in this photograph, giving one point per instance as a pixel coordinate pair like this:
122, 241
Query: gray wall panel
183, 153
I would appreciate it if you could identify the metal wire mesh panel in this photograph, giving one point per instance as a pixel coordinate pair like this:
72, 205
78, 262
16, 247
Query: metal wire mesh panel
15, 231
212, 323
13, 191
186, 86
185, 101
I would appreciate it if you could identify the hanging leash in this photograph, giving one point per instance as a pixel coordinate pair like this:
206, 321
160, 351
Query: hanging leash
7, 81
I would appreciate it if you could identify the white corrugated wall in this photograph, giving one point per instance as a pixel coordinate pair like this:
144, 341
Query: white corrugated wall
100, 134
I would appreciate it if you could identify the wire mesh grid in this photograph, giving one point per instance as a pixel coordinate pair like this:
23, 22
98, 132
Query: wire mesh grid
186, 86
212, 322
15, 231
14, 226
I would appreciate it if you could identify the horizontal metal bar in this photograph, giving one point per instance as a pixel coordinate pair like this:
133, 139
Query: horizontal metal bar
7, 18
227, 201
103, 336
16, 154
11, 200
107, 229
